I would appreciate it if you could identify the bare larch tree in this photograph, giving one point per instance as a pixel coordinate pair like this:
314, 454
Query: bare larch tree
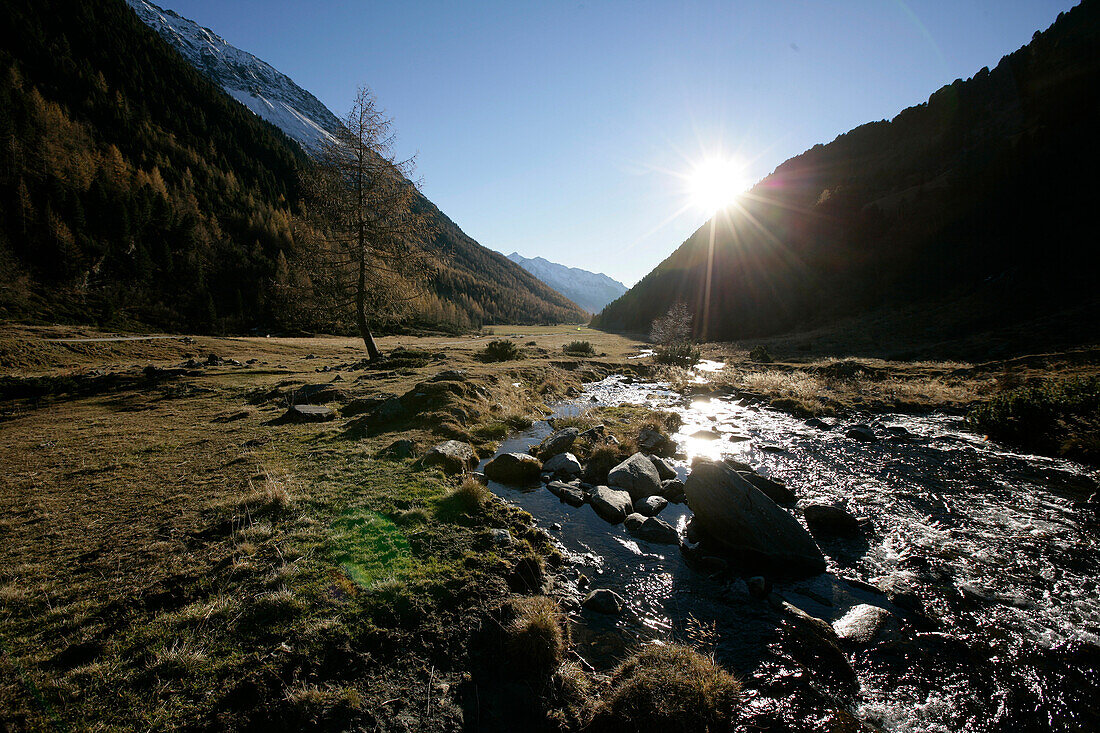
368, 222
674, 327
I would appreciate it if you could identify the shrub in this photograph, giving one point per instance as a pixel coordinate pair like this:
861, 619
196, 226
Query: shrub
1051, 416
535, 641
499, 350
761, 355
683, 355
669, 688
579, 348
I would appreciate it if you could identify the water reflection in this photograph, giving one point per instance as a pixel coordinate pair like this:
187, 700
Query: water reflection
990, 545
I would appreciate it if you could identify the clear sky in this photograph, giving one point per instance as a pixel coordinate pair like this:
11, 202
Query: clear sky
555, 129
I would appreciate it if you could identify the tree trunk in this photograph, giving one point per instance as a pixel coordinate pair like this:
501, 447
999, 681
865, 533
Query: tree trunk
360, 314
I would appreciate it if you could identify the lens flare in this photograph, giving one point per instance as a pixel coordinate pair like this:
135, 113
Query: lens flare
716, 182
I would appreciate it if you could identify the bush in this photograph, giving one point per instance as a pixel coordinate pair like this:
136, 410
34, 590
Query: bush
535, 641
669, 688
682, 355
500, 350
579, 348
1053, 416
761, 355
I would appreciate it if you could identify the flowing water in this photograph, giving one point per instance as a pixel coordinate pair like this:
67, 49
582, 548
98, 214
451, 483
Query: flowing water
989, 560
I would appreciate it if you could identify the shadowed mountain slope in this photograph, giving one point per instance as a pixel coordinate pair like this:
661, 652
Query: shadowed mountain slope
984, 193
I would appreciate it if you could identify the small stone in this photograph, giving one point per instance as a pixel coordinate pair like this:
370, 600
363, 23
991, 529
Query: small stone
501, 537
657, 531
563, 464
861, 623
557, 442
862, 433
825, 519
665, 471
309, 413
633, 521
569, 493
451, 456
673, 490
611, 504
758, 586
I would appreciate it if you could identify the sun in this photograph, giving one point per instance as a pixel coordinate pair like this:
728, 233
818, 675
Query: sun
716, 182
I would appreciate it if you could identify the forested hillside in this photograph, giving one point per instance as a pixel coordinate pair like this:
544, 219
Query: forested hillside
984, 192
134, 191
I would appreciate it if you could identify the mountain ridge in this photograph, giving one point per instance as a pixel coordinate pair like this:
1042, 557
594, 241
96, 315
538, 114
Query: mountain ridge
590, 290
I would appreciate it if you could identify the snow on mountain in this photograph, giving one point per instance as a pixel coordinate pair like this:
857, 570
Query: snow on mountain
265, 90
590, 290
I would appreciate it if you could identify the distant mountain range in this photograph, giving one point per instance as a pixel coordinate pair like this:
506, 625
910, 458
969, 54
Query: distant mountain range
985, 194
590, 290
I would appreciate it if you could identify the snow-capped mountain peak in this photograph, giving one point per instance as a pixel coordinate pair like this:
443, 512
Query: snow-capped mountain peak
590, 290
265, 90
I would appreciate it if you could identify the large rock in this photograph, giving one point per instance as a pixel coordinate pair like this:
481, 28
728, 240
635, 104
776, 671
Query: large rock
744, 523
633, 521
452, 456
673, 490
664, 468
309, 413
637, 476
825, 519
653, 441
611, 504
777, 491
563, 463
657, 531
862, 433
513, 468
557, 442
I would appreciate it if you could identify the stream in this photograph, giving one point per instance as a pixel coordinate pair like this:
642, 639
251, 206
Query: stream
988, 560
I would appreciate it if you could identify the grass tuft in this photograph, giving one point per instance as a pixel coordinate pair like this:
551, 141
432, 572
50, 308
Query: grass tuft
500, 350
669, 688
534, 639
579, 348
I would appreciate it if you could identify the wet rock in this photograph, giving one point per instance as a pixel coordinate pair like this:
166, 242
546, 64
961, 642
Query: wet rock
705, 435
633, 521
825, 519
603, 600
897, 431
975, 592
814, 422
775, 490
746, 524
657, 531
399, 449
565, 464
611, 504
569, 493
513, 468
308, 413
664, 469
814, 644
862, 433
451, 456
637, 476
673, 490
557, 442
739, 466
650, 505
861, 624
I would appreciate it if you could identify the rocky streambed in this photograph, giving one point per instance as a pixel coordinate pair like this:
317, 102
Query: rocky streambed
957, 585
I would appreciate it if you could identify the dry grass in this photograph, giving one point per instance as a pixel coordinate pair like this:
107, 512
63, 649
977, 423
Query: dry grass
669, 688
534, 639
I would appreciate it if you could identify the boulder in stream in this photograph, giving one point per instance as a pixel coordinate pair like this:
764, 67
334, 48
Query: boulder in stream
650, 505
637, 476
563, 464
862, 433
673, 490
744, 523
513, 468
557, 442
657, 531
861, 624
664, 468
611, 504
825, 519
777, 491
603, 600
571, 494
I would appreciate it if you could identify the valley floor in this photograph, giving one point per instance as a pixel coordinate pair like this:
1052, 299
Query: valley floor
174, 554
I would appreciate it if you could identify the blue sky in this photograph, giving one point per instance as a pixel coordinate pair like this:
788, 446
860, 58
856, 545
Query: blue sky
556, 129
